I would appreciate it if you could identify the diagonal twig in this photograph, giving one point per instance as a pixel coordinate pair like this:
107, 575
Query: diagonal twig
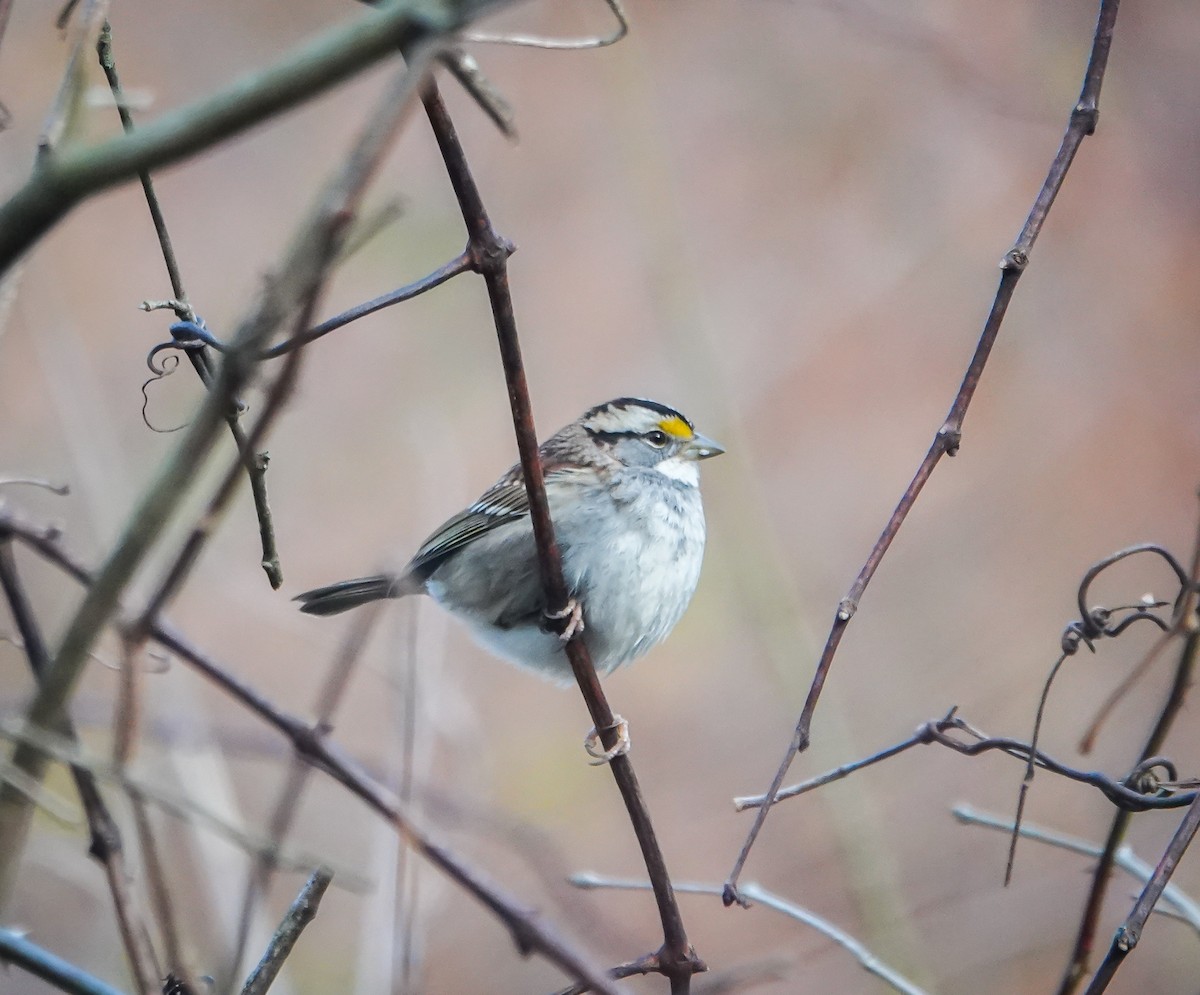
946, 442
69, 176
62, 974
255, 463
299, 914
529, 930
106, 846
302, 271
491, 250
1130, 931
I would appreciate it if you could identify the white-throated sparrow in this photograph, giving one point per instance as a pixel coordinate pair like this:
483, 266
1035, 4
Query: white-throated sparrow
624, 494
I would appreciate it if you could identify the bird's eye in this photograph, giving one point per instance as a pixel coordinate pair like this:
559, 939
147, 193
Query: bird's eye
656, 438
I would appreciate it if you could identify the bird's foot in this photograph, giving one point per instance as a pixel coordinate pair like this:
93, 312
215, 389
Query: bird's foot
568, 622
595, 748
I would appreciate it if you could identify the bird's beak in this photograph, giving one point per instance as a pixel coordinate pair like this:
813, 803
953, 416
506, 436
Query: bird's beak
702, 447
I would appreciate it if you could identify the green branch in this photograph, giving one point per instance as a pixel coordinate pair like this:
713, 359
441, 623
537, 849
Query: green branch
66, 176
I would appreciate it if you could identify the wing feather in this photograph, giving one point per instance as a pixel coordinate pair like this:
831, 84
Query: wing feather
504, 502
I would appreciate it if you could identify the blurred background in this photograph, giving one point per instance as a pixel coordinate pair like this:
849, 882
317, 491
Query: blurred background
784, 218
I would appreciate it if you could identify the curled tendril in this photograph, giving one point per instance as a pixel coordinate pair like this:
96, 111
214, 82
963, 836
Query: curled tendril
1093, 624
1153, 776
186, 336
164, 369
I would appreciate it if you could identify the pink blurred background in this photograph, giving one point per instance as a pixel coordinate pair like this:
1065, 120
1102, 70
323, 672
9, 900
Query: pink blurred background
784, 218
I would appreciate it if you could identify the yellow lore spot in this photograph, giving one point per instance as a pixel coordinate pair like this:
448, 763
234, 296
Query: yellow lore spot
676, 426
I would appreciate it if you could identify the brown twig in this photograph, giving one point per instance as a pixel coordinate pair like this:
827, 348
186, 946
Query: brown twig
1134, 791
300, 913
1130, 931
157, 888
106, 845
279, 825
302, 271
528, 929
255, 463
949, 436
490, 251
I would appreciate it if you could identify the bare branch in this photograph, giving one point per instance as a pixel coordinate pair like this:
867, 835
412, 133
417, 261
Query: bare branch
62, 974
69, 176
1130, 931
299, 914
255, 463
949, 436
528, 929
1078, 962
1184, 907
107, 846
757, 893
490, 251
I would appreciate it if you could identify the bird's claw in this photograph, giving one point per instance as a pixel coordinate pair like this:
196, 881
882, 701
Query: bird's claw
568, 622
595, 748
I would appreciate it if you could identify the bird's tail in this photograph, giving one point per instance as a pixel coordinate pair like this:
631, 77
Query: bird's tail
347, 594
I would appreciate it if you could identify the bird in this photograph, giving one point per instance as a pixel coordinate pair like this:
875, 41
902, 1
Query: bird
622, 483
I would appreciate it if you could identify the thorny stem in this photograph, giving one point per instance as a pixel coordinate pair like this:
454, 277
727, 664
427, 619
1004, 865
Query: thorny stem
949, 436
490, 252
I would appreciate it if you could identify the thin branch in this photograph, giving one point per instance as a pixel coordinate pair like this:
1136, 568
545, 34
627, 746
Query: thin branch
919, 738
491, 251
459, 264
463, 67
639, 968
1185, 908
160, 894
62, 974
949, 436
299, 914
71, 175
757, 893
567, 44
302, 271
1130, 931
280, 823
106, 846
255, 463
1030, 766
186, 335
1132, 792
178, 806
529, 931
1078, 963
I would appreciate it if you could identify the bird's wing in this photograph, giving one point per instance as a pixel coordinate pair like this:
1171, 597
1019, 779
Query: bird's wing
505, 501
